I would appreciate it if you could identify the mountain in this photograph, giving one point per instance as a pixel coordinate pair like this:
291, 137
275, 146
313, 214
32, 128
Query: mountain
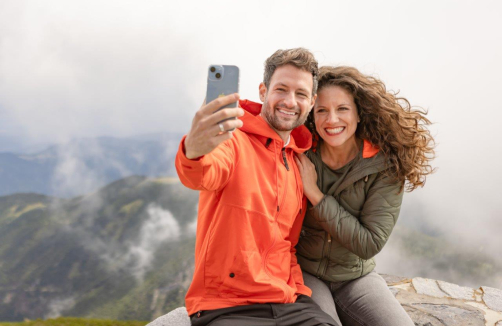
83, 165
122, 252
126, 251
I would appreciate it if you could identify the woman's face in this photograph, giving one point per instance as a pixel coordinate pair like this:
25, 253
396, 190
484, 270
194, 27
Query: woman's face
335, 116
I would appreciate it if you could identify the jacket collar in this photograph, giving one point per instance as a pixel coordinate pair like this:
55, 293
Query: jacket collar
301, 139
369, 150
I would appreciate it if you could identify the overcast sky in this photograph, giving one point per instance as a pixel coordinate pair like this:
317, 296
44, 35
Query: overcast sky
89, 68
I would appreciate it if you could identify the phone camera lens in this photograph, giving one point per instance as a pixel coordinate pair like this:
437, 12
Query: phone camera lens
213, 69
218, 75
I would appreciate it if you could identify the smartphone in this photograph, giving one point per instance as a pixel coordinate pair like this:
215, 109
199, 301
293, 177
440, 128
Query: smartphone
222, 80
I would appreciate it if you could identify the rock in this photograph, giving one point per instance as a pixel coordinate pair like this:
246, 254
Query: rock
393, 280
428, 287
177, 317
455, 291
492, 297
428, 302
394, 291
425, 314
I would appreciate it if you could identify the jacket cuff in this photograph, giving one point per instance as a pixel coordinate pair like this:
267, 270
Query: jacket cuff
314, 210
186, 162
326, 204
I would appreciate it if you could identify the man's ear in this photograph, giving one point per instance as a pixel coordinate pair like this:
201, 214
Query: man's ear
263, 91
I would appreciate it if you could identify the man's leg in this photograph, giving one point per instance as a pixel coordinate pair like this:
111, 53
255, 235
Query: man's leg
249, 315
304, 312
367, 301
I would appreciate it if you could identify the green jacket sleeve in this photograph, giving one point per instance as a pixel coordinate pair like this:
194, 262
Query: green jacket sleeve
364, 236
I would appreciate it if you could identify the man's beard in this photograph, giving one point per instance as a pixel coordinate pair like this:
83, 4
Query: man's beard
275, 122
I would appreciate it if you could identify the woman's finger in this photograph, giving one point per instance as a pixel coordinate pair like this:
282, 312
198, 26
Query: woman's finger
297, 160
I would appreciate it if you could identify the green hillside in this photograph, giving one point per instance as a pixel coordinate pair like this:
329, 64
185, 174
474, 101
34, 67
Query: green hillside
124, 252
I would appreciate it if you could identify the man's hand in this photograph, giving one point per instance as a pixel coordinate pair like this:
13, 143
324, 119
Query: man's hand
207, 131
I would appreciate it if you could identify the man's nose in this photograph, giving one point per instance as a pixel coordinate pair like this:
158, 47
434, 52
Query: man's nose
290, 100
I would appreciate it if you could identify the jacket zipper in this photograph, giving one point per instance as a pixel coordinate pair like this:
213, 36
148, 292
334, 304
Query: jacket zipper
324, 259
327, 256
284, 158
275, 230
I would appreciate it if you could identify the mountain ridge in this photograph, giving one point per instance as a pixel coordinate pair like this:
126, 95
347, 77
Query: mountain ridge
83, 165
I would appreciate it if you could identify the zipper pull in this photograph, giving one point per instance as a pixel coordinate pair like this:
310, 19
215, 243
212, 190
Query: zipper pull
284, 158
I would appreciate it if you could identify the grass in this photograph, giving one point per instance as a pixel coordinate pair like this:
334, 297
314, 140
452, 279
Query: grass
70, 321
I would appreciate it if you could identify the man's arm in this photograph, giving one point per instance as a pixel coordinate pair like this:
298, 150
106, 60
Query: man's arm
196, 169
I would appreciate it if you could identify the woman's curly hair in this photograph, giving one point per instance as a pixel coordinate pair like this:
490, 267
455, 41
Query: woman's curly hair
388, 122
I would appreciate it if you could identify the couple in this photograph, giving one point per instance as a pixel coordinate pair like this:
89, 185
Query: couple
266, 209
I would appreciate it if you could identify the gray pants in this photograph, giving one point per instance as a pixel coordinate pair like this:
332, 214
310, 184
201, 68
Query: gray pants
364, 301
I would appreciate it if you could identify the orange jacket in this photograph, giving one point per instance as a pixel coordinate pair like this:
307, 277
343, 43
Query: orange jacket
249, 219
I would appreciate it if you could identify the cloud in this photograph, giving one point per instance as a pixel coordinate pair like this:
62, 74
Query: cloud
71, 175
92, 70
160, 226
58, 306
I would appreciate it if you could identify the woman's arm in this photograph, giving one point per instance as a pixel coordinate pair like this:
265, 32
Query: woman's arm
364, 236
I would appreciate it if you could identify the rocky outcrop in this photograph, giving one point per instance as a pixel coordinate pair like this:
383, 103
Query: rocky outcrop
438, 303
428, 302
177, 317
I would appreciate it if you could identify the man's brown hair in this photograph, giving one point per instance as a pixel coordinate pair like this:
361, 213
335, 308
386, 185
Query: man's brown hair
298, 57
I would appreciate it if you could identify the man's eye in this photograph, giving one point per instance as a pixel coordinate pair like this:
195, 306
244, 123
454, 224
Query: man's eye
302, 95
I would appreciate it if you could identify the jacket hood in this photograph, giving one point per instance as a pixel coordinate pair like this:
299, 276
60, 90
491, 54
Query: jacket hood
301, 138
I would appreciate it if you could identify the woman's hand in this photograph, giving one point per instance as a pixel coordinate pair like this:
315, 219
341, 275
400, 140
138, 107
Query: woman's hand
309, 178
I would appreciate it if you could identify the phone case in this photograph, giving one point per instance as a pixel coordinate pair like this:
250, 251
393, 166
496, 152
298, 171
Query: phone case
222, 80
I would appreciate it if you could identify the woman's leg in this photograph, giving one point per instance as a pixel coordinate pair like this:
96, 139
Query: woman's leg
368, 301
321, 295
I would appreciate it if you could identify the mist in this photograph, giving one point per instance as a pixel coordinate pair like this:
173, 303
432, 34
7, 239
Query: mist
161, 226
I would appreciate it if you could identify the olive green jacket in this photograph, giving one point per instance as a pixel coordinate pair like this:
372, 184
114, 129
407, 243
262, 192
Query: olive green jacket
352, 222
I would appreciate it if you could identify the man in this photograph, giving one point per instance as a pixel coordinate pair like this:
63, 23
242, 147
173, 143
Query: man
250, 205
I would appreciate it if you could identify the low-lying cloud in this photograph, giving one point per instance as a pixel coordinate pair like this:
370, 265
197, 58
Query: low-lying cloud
160, 227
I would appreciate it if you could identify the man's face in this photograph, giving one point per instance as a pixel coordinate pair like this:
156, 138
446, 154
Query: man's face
288, 100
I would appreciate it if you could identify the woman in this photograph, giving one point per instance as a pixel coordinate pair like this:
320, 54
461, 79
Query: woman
369, 146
